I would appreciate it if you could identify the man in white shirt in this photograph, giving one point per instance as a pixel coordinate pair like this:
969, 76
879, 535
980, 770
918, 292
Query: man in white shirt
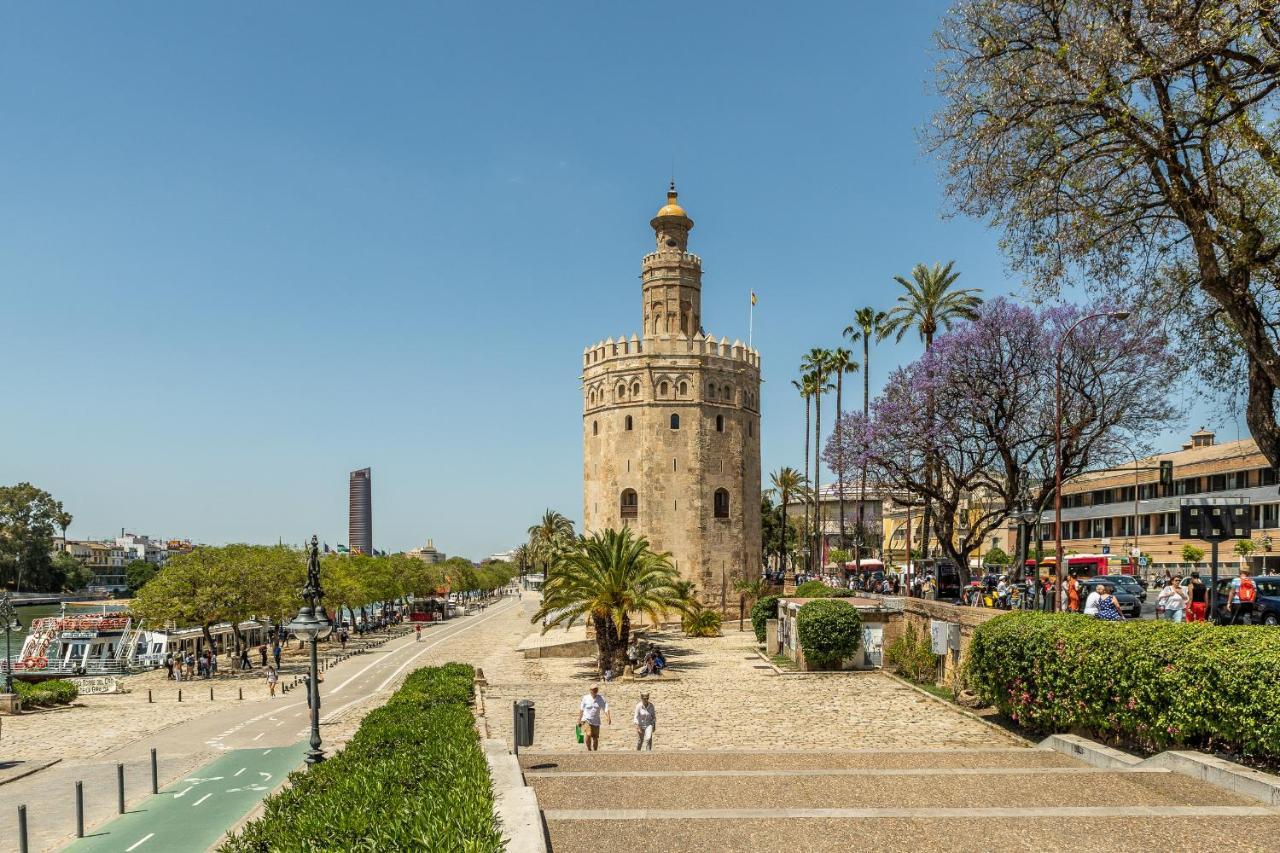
590, 710
645, 719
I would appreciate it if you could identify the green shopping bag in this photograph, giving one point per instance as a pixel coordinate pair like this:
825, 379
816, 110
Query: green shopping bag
577, 731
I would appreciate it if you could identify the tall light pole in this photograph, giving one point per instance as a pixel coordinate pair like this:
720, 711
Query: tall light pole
1059, 562
9, 617
312, 623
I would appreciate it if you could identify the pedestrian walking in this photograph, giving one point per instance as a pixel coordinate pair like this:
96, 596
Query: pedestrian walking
1073, 593
213, 665
244, 659
591, 708
275, 651
645, 720
417, 633
1172, 601
1244, 592
168, 666
272, 678
190, 663
262, 653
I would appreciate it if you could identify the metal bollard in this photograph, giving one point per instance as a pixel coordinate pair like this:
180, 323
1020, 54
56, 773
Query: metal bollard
22, 829
210, 694
241, 692
120, 787
179, 694
79, 810
155, 774
149, 697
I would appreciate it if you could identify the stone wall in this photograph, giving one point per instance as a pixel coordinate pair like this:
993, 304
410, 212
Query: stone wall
919, 612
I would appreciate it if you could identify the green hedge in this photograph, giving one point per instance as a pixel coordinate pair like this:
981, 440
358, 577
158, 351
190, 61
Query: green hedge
1154, 685
43, 694
763, 610
829, 631
412, 778
814, 589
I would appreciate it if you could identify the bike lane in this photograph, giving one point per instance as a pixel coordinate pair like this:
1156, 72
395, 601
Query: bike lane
194, 812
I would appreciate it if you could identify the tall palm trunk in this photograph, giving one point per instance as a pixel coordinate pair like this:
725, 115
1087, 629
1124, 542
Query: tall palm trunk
840, 449
809, 562
866, 412
928, 480
782, 549
817, 492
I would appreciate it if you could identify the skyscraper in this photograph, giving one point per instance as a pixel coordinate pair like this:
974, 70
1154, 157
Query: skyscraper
360, 517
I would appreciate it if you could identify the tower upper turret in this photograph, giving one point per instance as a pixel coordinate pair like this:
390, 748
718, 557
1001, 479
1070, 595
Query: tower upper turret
672, 278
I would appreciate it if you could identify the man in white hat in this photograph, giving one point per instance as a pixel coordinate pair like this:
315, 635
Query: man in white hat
645, 719
592, 707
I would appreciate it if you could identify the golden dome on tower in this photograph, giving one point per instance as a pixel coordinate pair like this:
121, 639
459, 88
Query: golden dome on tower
672, 207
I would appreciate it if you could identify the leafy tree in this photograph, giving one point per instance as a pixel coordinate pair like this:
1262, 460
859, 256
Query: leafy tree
839, 556
69, 573
1131, 143
1192, 554
28, 518
552, 532
996, 557
764, 610
137, 573
1244, 547
606, 578
828, 631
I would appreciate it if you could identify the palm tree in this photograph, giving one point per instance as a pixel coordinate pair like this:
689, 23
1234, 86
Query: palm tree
841, 363
549, 533
786, 482
867, 323
818, 362
806, 386
928, 305
606, 578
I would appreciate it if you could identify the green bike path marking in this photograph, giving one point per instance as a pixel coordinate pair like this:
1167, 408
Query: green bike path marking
195, 811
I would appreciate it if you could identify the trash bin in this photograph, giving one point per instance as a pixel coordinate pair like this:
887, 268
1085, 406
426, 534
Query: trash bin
524, 723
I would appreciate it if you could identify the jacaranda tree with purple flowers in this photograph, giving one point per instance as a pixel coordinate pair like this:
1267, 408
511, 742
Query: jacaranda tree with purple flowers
992, 431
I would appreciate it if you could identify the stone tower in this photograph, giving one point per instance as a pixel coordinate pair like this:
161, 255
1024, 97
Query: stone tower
671, 426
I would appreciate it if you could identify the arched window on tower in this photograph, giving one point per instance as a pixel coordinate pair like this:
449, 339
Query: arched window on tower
711, 390
684, 388
722, 503
719, 423
675, 421
728, 392
635, 389
622, 392
627, 423
630, 504
662, 389
595, 427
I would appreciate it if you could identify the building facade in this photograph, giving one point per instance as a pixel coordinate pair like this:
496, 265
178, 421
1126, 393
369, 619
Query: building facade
830, 498
360, 512
427, 554
671, 426
1126, 508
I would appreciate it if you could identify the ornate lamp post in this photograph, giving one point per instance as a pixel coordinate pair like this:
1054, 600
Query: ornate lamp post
1027, 517
312, 624
9, 616
1060, 565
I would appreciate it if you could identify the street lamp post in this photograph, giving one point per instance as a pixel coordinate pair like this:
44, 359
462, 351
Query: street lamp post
9, 616
312, 624
1026, 517
1059, 562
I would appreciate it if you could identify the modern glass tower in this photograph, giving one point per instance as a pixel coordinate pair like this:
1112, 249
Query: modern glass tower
360, 517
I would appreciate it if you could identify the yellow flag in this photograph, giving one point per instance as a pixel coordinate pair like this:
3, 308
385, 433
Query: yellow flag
753, 297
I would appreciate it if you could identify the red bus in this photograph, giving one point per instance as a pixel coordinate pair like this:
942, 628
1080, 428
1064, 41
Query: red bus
1090, 565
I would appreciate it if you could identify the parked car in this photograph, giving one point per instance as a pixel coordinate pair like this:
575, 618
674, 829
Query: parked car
1130, 583
1265, 611
1130, 605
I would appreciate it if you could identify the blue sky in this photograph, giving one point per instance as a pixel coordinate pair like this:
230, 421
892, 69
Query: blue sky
248, 249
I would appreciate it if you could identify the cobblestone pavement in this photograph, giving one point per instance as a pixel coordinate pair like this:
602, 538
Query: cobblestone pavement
720, 695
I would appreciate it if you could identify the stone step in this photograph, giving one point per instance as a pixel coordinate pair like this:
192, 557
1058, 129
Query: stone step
943, 788
613, 762
923, 831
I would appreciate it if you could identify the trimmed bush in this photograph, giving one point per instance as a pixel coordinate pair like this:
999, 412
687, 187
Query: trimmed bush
829, 631
45, 694
412, 778
1148, 684
814, 589
911, 656
763, 610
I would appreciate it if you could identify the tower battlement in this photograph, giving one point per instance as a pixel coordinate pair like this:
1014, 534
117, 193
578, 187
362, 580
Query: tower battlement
677, 345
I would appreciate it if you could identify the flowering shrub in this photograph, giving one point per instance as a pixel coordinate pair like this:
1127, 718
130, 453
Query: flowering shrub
1151, 684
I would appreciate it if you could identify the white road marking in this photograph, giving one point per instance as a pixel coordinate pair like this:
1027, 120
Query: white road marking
259, 735
202, 799
241, 770
430, 646
183, 794
281, 723
264, 775
268, 752
141, 841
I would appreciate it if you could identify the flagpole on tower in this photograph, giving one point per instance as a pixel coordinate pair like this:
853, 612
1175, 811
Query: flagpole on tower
751, 319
